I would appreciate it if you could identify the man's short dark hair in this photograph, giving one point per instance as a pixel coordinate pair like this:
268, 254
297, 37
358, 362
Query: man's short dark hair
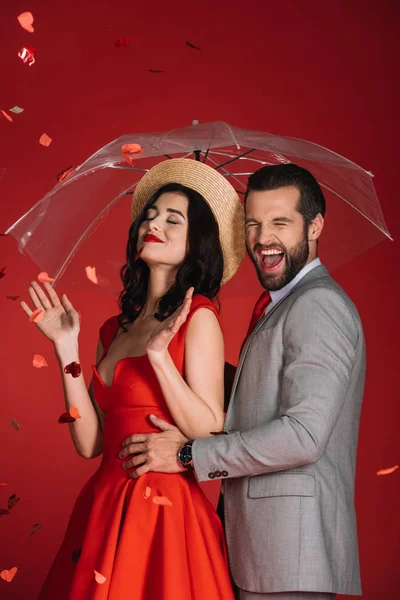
312, 201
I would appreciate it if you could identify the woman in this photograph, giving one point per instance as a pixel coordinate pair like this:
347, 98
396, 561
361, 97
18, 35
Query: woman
156, 537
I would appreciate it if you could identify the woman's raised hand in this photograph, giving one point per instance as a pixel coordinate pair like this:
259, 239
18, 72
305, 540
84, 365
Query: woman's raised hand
60, 321
165, 332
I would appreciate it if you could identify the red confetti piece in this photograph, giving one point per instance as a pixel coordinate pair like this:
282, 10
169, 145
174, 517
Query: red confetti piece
387, 471
44, 277
99, 577
17, 110
3, 484
147, 493
162, 501
64, 173
2, 272
91, 274
12, 297
9, 575
73, 369
12, 501
27, 55
122, 42
74, 412
45, 140
39, 361
25, 20
66, 418
35, 529
192, 46
6, 115
16, 425
37, 315
3, 512
155, 71
128, 149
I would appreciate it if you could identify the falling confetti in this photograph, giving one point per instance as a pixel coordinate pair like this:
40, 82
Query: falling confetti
122, 42
45, 140
128, 149
17, 110
162, 501
3, 512
35, 529
9, 575
147, 492
25, 20
6, 116
192, 46
66, 418
387, 471
12, 297
99, 577
2, 273
16, 425
27, 55
12, 501
74, 412
37, 316
76, 555
155, 71
39, 361
64, 173
44, 277
91, 274
3, 484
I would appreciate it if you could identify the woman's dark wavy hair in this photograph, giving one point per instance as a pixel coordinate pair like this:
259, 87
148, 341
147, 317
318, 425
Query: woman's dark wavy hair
202, 268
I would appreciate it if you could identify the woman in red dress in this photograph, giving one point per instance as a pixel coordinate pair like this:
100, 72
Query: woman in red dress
156, 537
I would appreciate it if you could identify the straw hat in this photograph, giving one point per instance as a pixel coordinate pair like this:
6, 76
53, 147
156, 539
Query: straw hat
216, 191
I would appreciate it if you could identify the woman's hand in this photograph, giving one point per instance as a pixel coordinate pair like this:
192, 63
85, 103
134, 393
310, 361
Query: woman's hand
61, 322
165, 332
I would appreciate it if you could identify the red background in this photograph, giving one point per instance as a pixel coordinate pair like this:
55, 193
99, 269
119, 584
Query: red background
322, 71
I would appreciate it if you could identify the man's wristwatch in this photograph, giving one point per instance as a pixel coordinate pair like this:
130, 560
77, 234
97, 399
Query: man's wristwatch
185, 455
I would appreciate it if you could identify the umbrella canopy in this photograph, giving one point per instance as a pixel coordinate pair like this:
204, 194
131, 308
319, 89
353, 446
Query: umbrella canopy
84, 220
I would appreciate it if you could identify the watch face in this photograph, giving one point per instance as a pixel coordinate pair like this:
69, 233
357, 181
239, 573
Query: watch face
185, 455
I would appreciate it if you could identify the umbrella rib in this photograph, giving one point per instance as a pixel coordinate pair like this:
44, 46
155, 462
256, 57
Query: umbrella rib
229, 175
233, 159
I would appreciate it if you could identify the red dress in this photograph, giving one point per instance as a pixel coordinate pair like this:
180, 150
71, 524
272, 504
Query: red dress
145, 550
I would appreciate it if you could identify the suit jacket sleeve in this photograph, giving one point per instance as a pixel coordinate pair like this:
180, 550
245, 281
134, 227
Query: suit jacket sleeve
320, 337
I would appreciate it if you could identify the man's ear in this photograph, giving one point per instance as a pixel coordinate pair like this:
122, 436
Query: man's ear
315, 228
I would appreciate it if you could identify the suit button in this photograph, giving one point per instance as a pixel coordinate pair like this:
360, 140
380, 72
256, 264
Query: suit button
224, 473
218, 473
211, 475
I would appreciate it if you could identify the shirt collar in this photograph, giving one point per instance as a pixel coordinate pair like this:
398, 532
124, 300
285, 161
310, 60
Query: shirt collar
278, 295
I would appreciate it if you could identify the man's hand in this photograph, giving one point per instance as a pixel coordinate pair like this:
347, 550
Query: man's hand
154, 451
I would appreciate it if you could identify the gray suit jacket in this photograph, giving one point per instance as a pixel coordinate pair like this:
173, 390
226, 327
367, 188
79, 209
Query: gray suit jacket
288, 461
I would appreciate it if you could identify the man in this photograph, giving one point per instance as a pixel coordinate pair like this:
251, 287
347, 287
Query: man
288, 459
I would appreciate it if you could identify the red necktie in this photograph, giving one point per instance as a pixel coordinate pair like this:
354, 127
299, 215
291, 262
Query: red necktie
259, 309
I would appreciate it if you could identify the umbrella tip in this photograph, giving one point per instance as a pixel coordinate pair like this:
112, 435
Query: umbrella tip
195, 122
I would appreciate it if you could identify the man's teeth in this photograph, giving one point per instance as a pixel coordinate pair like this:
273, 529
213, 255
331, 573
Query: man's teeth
270, 252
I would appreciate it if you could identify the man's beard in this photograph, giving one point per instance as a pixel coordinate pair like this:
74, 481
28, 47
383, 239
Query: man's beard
295, 260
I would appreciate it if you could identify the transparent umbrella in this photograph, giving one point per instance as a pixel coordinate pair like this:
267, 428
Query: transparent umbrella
84, 220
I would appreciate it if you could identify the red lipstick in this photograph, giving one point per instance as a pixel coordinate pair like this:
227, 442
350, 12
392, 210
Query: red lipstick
152, 238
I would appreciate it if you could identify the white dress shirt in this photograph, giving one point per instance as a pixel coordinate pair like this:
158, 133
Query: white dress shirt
278, 295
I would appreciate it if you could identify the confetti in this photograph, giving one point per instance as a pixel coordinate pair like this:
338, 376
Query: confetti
99, 577
16, 110
9, 575
25, 20
35, 529
147, 492
3, 512
66, 418
387, 471
12, 297
162, 501
2, 273
3, 484
37, 315
39, 361
76, 555
45, 140
192, 46
155, 71
73, 369
6, 116
122, 42
16, 425
91, 274
12, 501
44, 277
128, 149
74, 412
64, 173
27, 55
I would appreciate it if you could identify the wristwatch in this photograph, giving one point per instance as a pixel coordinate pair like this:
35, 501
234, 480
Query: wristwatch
185, 455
